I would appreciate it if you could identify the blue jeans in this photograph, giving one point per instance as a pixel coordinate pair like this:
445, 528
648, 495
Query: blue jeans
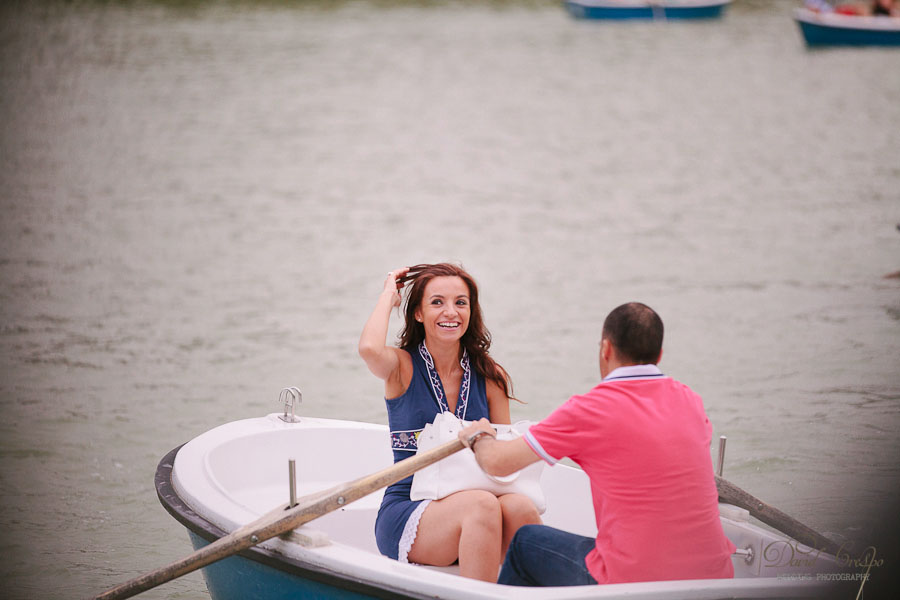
543, 556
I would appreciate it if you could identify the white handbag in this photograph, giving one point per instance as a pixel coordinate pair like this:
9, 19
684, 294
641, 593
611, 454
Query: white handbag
460, 471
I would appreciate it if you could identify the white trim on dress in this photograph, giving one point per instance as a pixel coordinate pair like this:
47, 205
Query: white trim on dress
409, 532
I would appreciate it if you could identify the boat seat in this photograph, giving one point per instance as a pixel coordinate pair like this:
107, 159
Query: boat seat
307, 537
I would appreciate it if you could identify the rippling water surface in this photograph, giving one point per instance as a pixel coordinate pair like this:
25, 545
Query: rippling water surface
200, 203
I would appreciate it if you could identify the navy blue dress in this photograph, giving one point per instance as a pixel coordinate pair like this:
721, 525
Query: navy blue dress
398, 516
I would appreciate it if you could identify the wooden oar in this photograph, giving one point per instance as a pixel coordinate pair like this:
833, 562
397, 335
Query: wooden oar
732, 494
282, 520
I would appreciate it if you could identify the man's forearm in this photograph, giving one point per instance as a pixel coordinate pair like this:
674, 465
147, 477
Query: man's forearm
503, 457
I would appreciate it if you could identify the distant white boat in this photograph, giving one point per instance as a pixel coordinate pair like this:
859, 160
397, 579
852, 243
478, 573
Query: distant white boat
647, 9
233, 474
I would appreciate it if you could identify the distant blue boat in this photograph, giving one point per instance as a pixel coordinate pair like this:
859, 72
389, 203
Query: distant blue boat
832, 29
646, 9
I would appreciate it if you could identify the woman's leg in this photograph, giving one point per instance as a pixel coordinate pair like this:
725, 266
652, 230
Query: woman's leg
465, 526
518, 510
544, 556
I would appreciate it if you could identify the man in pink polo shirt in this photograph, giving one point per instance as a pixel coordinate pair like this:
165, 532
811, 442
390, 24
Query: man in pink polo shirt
643, 440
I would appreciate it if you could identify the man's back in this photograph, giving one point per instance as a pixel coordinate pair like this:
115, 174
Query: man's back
643, 439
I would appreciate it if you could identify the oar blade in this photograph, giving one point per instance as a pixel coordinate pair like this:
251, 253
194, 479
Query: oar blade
732, 494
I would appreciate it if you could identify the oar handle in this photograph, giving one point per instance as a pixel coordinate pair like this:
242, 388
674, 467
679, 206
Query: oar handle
732, 494
282, 520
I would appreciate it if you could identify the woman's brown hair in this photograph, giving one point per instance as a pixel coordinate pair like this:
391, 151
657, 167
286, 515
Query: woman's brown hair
476, 340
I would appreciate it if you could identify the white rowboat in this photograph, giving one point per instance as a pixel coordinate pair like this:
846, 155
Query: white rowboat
237, 472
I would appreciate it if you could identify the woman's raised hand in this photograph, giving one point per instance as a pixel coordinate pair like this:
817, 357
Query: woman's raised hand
392, 285
382, 360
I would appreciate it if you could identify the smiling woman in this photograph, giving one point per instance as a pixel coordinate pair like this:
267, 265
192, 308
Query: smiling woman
430, 280
442, 365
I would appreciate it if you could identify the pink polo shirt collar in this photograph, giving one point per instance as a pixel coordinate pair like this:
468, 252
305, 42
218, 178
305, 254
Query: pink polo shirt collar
632, 372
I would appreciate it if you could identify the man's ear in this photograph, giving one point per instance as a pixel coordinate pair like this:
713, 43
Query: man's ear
605, 349
659, 358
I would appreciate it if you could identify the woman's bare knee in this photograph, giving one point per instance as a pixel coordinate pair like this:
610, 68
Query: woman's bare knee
518, 507
483, 507
444, 523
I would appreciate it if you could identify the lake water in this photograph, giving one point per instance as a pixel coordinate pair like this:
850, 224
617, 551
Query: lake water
200, 202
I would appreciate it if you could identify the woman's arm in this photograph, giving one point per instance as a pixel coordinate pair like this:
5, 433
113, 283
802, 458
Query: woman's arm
383, 360
498, 402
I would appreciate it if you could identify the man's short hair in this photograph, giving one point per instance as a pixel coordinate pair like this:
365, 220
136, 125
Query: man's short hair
636, 331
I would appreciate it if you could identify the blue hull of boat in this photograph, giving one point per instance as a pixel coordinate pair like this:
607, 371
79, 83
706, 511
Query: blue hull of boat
583, 11
238, 578
820, 35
